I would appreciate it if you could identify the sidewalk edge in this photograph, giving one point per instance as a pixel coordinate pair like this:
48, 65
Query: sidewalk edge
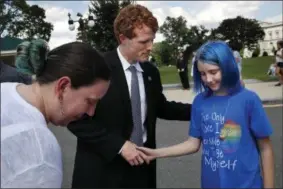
272, 101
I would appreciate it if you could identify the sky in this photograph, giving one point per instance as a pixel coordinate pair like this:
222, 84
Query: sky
207, 13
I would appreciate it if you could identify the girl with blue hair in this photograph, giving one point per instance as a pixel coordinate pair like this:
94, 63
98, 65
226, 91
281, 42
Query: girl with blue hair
229, 122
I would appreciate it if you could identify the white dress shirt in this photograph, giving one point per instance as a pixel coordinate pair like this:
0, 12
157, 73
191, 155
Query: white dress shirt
128, 75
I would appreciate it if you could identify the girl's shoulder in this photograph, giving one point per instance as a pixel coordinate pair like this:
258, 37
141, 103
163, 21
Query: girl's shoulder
249, 94
245, 94
249, 97
199, 97
202, 99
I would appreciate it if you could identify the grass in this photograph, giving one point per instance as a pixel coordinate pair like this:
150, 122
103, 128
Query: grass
252, 68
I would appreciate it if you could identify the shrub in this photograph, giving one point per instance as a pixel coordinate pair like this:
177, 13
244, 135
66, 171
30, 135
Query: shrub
264, 53
256, 52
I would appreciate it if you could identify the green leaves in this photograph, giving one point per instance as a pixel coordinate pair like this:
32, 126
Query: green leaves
241, 32
178, 35
102, 36
18, 19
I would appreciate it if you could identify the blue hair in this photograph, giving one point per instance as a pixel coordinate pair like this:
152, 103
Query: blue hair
217, 53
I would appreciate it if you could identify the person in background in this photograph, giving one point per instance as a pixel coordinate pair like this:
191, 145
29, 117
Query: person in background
192, 68
125, 118
236, 52
229, 122
10, 74
69, 82
182, 68
153, 61
279, 62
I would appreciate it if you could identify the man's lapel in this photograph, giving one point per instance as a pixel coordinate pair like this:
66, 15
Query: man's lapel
119, 78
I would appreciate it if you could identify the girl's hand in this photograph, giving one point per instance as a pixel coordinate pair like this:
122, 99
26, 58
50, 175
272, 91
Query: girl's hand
150, 153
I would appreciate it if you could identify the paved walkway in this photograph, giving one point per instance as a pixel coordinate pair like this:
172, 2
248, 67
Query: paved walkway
266, 91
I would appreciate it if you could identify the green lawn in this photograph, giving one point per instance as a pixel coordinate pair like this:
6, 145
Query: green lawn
253, 68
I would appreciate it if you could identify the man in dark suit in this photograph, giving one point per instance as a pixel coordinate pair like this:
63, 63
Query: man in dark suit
126, 116
182, 67
10, 74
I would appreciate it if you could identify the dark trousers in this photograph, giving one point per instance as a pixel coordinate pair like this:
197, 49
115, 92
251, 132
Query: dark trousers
280, 64
139, 176
136, 177
184, 79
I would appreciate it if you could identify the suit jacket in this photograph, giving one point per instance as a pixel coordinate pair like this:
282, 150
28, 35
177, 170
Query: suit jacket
100, 138
10, 74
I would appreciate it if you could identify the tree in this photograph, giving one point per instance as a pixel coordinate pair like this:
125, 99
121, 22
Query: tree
240, 32
18, 19
175, 32
196, 36
102, 36
162, 52
256, 51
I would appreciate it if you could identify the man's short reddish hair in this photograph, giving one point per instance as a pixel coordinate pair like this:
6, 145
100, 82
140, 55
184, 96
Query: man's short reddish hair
131, 17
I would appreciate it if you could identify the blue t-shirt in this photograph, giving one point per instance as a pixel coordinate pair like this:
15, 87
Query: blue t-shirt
227, 127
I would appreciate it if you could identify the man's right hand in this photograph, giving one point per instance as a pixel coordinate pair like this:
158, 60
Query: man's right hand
132, 155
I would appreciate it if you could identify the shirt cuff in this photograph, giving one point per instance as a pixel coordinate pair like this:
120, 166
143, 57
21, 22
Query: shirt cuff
120, 151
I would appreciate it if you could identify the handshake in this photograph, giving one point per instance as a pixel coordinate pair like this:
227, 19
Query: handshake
136, 155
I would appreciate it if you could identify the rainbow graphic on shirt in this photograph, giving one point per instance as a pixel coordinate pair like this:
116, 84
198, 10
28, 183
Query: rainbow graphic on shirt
230, 136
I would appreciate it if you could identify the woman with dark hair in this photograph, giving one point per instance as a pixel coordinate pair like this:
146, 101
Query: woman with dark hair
68, 82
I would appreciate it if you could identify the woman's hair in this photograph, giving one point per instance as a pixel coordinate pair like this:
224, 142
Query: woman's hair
78, 61
131, 17
217, 53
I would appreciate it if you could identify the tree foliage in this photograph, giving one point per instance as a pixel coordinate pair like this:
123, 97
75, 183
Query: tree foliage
197, 35
181, 38
175, 33
162, 53
18, 19
102, 36
240, 32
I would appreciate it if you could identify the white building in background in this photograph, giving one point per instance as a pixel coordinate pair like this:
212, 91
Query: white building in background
273, 33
